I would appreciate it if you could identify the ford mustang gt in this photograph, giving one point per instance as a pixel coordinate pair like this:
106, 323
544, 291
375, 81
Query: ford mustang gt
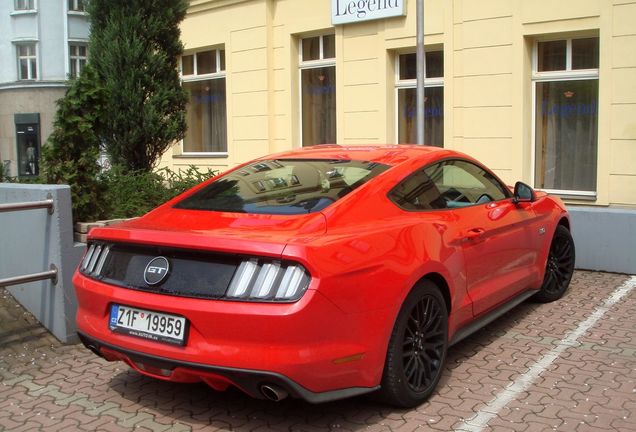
321, 273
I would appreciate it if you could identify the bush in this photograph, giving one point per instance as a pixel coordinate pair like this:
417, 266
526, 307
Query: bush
133, 193
70, 156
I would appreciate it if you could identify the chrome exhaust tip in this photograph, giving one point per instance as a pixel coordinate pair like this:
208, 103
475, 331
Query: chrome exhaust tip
273, 392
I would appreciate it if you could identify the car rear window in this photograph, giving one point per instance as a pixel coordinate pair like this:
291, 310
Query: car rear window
283, 186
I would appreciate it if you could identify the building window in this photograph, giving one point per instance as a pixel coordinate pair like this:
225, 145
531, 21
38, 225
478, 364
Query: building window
77, 59
406, 84
21, 5
203, 75
27, 62
76, 5
565, 79
318, 89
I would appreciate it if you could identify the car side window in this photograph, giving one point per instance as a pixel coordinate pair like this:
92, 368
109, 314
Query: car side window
417, 192
462, 183
448, 184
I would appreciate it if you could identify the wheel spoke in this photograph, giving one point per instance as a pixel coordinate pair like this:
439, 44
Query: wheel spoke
420, 374
428, 373
550, 282
423, 313
410, 367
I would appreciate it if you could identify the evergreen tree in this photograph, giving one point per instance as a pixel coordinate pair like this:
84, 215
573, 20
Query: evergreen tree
134, 48
70, 156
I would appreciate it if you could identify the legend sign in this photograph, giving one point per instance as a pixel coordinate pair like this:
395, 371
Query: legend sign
351, 11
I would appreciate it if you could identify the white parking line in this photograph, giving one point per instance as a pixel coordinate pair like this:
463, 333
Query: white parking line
480, 420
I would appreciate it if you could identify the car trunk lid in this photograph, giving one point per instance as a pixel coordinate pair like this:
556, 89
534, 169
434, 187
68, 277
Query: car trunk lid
238, 233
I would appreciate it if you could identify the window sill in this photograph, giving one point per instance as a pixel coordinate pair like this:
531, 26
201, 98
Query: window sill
24, 12
572, 195
77, 13
201, 156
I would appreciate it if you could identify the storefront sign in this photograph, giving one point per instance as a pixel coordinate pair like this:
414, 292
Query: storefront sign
351, 11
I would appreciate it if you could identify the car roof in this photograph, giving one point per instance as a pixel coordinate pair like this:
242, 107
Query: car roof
384, 154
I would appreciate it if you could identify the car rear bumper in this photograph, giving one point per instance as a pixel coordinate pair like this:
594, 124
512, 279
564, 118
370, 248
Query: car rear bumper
249, 381
311, 348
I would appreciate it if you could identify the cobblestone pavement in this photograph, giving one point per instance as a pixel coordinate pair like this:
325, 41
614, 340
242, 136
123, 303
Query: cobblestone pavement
590, 385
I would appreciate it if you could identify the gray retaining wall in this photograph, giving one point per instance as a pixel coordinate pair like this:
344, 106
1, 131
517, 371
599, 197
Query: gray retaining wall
32, 240
605, 238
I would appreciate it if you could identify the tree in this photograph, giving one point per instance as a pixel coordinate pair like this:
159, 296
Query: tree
70, 156
134, 48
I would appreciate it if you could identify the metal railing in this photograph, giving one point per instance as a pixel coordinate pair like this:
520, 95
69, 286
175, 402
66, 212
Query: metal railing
17, 280
47, 204
52, 272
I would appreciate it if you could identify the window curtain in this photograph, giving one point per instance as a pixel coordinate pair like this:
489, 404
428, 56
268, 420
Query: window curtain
319, 105
206, 116
433, 116
566, 135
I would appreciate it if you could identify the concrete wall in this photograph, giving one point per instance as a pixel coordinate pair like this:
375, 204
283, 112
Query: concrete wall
31, 241
605, 239
488, 96
25, 100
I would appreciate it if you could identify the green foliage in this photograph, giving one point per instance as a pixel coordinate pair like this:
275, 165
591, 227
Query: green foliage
134, 47
70, 156
180, 181
133, 193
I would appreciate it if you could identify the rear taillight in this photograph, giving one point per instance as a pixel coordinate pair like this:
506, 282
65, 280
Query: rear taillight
94, 260
258, 280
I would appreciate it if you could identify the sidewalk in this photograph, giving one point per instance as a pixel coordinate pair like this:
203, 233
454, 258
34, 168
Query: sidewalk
590, 385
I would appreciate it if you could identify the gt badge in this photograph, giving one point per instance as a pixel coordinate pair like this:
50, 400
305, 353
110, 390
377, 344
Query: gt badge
156, 270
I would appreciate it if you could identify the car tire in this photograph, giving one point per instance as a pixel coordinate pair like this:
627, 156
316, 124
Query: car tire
417, 348
559, 267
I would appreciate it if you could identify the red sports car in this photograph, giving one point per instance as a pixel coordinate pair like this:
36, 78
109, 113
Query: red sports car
321, 273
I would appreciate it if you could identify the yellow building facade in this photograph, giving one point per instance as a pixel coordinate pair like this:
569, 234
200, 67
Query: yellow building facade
540, 91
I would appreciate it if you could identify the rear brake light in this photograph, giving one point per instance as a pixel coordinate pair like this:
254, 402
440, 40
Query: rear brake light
94, 260
268, 280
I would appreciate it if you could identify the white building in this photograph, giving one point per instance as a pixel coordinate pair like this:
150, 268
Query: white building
42, 43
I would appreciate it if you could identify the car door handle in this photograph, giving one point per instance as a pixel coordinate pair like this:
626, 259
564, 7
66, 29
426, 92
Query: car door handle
474, 234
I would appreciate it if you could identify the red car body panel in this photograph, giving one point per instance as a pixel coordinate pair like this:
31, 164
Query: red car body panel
364, 254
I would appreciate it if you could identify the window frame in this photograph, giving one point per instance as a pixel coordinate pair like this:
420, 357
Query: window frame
73, 6
311, 64
568, 74
506, 190
220, 73
31, 6
35, 56
76, 58
411, 84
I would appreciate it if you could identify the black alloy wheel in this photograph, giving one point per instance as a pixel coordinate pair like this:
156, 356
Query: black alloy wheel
417, 349
559, 268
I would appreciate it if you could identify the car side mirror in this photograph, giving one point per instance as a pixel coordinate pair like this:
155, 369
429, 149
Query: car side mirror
523, 193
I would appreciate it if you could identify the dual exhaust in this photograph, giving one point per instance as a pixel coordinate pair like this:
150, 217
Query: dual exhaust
273, 392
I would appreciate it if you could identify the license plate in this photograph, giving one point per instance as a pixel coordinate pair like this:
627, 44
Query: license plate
156, 326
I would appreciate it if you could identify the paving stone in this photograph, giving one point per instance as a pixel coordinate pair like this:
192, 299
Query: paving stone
591, 386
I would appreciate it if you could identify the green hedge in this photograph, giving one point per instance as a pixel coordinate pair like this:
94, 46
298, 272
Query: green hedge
135, 193
128, 194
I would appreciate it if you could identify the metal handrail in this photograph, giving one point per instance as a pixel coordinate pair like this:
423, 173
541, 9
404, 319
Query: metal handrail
17, 280
52, 272
47, 203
